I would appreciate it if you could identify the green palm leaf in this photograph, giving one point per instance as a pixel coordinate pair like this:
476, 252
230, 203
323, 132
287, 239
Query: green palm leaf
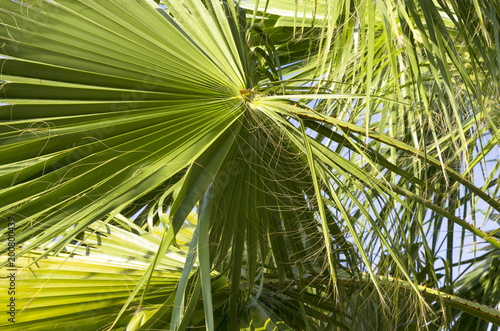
326, 147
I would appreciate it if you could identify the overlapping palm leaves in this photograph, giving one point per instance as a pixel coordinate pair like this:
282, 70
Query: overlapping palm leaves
325, 145
84, 286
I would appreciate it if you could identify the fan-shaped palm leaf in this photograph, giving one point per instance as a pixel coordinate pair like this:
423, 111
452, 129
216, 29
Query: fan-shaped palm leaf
329, 144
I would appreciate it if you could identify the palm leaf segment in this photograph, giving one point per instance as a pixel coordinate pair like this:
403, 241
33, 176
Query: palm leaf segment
88, 283
111, 106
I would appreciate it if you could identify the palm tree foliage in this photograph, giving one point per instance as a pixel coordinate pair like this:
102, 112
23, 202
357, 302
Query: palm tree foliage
332, 151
